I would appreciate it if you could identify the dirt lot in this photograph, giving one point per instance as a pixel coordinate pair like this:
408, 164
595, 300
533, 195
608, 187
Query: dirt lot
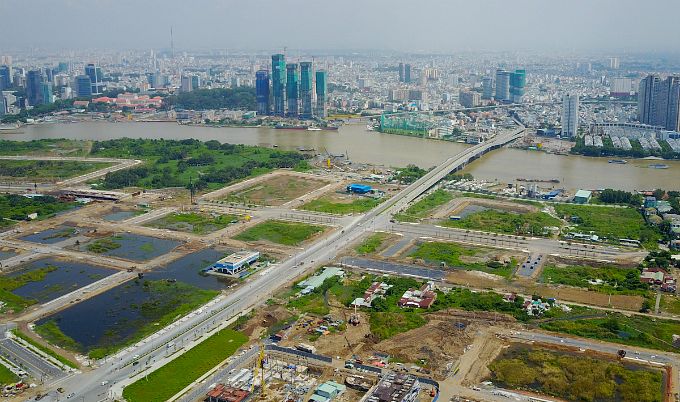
276, 190
458, 205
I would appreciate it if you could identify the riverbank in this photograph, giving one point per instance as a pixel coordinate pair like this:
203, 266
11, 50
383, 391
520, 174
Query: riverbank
361, 146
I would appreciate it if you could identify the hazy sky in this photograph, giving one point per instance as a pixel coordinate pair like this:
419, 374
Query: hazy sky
408, 25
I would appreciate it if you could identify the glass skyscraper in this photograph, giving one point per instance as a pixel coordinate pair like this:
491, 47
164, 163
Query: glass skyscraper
262, 91
279, 84
306, 89
321, 83
292, 90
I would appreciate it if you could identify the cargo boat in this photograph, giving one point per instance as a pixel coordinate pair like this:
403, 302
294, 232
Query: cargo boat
618, 161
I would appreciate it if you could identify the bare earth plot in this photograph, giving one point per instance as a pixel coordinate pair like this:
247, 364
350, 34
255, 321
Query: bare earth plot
276, 190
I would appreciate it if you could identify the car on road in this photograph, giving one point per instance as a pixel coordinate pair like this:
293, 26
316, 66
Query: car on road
105, 382
71, 395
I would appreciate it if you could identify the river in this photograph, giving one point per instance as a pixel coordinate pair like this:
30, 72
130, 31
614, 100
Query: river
504, 165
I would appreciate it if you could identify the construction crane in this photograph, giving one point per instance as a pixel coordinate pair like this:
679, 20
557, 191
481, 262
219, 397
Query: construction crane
259, 368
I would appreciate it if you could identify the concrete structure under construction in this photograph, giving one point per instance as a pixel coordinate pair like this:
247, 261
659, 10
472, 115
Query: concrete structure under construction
394, 387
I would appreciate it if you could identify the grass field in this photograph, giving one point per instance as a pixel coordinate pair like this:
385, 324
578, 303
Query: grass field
49, 351
633, 331
670, 304
286, 233
387, 324
168, 380
192, 222
41, 171
15, 208
615, 280
531, 223
610, 223
575, 377
6, 376
453, 254
359, 205
276, 190
425, 206
52, 147
372, 243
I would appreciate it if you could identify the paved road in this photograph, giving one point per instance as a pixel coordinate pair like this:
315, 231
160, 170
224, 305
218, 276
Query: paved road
196, 326
394, 268
34, 365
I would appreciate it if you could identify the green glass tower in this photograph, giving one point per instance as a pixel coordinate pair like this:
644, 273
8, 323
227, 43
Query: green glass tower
306, 89
279, 84
292, 90
321, 88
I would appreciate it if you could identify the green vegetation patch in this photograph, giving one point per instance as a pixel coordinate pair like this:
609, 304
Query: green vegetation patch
193, 222
6, 376
46, 350
425, 206
44, 147
359, 205
634, 331
189, 163
39, 170
385, 325
575, 378
8, 284
168, 380
15, 207
532, 223
101, 246
614, 280
451, 253
286, 233
610, 223
372, 243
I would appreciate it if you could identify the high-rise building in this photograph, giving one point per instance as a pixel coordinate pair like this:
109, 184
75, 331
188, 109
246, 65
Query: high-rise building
83, 86
487, 88
95, 74
668, 104
569, 115
186, 84
401, 72
3, 105
647, 92
321, 88
407, 73
5, 77
33, 92
518, 82
279, 84
306, 90
614, 63
155, 79
502, 85
46, 92
292, 90
195, 82
262, 91
469, 98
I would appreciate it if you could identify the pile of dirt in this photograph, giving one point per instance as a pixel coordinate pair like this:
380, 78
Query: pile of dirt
265, 319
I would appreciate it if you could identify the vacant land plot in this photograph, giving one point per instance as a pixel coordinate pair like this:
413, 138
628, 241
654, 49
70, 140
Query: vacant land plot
605, 279
609, 223
193, 222
276, 190
533, 223
353, 204
372, 243
286, 233
425, 206
41, 171
385, 325
165, 382
457, 256
617, 328
15, 208
575, 377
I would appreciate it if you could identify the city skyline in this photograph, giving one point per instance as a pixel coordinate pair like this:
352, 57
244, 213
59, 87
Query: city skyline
523, 25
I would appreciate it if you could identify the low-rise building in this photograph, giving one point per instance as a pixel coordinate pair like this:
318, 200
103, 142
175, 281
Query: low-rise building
583, 196
419, 298
235, 264
222, 393
314, 281
659, 277
376, 290
327, 391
